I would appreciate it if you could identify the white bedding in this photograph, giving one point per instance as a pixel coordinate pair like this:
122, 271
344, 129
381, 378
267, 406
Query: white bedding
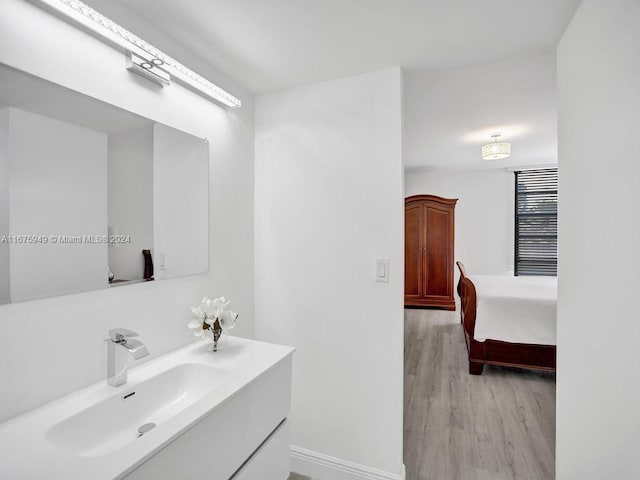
516, 309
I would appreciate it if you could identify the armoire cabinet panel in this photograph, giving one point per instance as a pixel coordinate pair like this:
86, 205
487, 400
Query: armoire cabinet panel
429, 251
437, 249
413, 251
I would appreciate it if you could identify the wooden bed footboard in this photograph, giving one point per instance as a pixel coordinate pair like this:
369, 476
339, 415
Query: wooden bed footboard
496, 352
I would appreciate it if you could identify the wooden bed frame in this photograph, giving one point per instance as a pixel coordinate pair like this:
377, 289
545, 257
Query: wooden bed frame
496, 352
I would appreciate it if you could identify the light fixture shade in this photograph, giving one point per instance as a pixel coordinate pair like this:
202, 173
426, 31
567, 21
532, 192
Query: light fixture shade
496, 151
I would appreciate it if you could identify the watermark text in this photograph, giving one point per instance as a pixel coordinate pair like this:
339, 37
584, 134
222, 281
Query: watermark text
64, 239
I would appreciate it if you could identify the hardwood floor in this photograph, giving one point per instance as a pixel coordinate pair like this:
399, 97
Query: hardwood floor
497, 426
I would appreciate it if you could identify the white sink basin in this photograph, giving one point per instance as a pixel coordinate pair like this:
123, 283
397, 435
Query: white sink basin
93, 433
114, 422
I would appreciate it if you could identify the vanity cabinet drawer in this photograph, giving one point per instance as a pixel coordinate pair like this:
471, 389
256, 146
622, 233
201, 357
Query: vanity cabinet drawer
271, 461
216, 447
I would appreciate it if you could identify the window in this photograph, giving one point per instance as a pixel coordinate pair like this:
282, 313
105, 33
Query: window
536, 222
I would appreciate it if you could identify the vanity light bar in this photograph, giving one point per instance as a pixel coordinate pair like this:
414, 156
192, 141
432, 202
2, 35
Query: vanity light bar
102, 26
150, 68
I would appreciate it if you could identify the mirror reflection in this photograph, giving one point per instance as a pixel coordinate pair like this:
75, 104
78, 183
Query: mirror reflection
92, 196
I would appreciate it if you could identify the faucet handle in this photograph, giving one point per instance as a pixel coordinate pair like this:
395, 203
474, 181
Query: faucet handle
121, 334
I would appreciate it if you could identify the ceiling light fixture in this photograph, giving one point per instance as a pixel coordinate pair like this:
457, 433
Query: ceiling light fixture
496, 150
106, 29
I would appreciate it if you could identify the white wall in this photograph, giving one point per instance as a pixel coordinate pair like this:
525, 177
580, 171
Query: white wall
5, 283
131, 200
55, 346
180, 196
484, 214
58, 186
328, 203
598, 391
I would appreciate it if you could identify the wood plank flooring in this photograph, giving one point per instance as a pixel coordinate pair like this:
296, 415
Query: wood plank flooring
497, 426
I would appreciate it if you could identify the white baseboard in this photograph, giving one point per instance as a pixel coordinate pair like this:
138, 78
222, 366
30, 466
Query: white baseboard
325, 467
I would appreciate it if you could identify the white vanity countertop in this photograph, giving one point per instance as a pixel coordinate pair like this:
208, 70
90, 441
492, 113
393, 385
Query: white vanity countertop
27, 454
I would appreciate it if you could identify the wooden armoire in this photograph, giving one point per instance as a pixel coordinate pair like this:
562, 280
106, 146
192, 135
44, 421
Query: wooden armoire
428, 251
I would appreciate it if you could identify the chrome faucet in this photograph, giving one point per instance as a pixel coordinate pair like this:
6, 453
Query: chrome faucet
119, 341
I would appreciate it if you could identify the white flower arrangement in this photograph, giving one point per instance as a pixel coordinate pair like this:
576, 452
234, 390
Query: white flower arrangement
211, 317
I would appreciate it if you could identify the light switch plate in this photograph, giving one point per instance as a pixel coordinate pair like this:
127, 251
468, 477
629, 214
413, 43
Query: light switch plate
382, 270
162, 261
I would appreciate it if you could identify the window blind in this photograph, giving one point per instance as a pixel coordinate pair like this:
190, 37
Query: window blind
536, 222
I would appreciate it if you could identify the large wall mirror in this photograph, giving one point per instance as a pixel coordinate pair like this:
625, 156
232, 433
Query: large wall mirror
86, 187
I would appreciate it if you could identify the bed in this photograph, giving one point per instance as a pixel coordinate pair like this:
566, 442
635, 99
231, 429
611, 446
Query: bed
509, 321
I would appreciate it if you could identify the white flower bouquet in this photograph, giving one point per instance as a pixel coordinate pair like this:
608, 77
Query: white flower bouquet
211, 317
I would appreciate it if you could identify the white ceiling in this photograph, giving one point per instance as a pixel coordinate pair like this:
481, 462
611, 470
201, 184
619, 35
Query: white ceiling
471, 66
274, 44
449, 114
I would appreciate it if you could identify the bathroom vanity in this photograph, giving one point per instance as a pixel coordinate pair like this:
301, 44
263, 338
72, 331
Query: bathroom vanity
190, 414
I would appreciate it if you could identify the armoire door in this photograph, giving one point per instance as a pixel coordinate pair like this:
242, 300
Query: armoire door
413, 258
438, 280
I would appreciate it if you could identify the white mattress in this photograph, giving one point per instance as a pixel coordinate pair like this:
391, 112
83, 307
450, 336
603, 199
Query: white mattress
516, 309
